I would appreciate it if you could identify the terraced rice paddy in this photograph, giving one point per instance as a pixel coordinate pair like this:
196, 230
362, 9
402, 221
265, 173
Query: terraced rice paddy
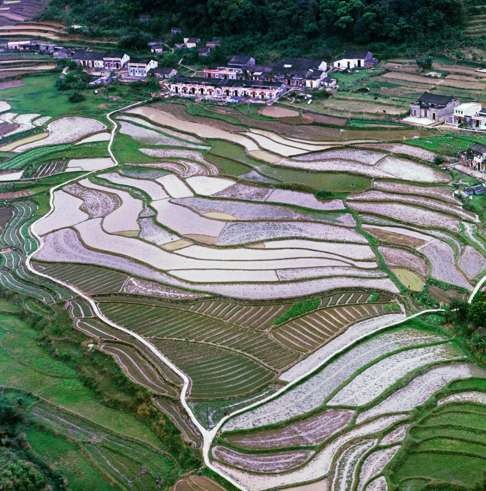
342, 413
246, 278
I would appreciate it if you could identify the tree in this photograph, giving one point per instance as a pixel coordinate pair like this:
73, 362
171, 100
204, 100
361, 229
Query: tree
425, 63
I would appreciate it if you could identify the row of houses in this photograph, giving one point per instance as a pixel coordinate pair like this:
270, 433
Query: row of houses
219, 89
305, 73
435, 108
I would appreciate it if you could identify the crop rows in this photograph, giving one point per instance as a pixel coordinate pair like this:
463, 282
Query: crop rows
45, 169
26, 158
92, 280
139, 369
252, 316
16, 242
355, 443
170, 323
216, 372
311, 331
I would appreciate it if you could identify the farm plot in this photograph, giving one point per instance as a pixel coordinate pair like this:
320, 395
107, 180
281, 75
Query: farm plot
66, 130
149, 136
164, 324
15, 244
448, 447
311, 331
398, 370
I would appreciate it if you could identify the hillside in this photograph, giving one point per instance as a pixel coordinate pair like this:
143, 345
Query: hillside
292, 28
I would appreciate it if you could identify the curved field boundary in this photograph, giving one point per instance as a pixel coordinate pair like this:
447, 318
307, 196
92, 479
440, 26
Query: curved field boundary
207, 435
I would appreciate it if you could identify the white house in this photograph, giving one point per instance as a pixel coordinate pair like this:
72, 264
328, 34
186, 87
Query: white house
470, 115
352, 60
22, 45
139, 69
115, 61
156, 47
191, 43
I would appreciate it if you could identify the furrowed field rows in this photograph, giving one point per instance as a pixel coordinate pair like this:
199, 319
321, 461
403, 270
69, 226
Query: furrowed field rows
215, 372
171, 323
252, 316
92, 280
313, 330
15, 244
139, 369
262, 316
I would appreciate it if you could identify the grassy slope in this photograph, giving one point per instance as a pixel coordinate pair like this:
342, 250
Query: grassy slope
54, 380
40, 95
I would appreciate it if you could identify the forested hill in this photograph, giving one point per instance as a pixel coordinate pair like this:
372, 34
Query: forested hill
310, 24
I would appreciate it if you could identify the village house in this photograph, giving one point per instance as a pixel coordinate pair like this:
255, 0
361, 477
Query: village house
175, 31
213, 44
204, 52
244, 62
221, 89
260, 73
434, 108
165, 73
140, 69
91, 61
223, 72
300, 72
23, 45
156, 47
474, 157
352, 60
115, 61
470, 115
191, 43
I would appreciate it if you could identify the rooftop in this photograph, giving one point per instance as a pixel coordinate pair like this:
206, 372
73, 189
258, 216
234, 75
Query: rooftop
434, 99
478, 148
84, 54
355, 54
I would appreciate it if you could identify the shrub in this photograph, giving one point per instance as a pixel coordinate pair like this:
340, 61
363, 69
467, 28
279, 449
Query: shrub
298, 309
76, 97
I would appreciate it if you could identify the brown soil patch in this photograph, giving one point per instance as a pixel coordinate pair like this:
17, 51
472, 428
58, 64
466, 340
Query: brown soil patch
15, 194
395, 238
445, 296
5, 216
278, 112
197, 483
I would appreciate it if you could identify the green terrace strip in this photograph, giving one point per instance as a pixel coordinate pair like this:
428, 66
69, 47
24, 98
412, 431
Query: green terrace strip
297, 309
448, 144
31, 158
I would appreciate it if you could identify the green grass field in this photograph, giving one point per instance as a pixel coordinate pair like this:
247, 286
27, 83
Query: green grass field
54, 380
39, 95
447, 144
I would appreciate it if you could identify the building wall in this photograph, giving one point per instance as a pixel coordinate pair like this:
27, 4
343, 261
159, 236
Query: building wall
441, 115
349, 64
137, 71
196, 90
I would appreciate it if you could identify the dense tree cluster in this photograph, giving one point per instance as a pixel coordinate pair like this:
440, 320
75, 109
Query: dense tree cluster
470, 323
301, 22
19, 469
